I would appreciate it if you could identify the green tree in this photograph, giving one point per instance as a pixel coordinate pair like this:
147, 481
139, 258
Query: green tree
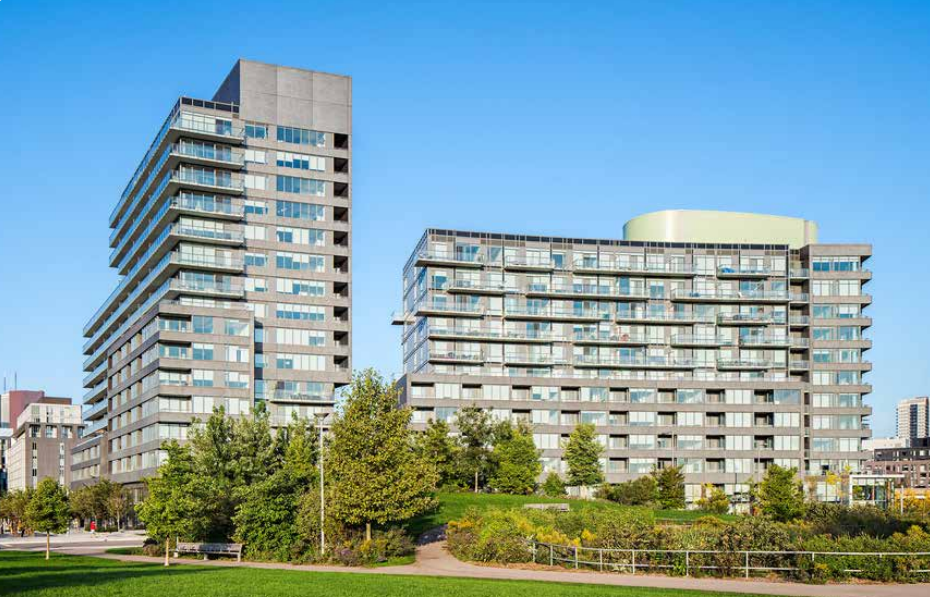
582, 453
437, 445
48, 510
378, 475
82, 502
714, 500
13, 508
516, 460
177, 499
780, 495
476, 435
670, 487
553, 486
212, 453
119, 502
636, 492
266, 520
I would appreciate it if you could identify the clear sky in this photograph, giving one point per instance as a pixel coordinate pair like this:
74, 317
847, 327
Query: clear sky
563, 118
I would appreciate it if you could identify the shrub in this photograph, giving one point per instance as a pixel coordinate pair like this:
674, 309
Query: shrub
638, 492
670, 487
553, 486
714, 500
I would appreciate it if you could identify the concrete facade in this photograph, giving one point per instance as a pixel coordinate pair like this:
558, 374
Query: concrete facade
232, 240
911, 460
723, 358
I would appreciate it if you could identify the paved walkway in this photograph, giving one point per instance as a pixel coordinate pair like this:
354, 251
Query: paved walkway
434, 560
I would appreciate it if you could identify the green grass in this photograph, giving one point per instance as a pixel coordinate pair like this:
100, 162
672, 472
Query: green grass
28, 574
452, 506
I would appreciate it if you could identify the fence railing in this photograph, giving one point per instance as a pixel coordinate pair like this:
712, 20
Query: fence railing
723, 563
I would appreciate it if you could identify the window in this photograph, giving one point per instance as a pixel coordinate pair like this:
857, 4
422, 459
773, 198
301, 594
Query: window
302, 186
258, 182
235, 379
254, 232
256, 259
203, 379
256, 131
258, 208
300, 211
300, 337
203, 324
300, 287
642, 419
300, 312
301, 136
300, 262
236, 327
301, 236
689, 419
301, 161
300, 362
255, 156
203, 352
256, 285
237, 354
642, 396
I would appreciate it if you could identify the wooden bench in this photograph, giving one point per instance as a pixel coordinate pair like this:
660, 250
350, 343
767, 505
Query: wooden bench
559, 507
210, 549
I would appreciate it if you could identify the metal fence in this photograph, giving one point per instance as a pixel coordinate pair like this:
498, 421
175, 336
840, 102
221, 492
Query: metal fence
728, 563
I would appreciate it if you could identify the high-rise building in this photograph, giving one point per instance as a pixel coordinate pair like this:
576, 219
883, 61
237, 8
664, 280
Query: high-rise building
913, 418
12, 404
232, 243
722, 343
43, 434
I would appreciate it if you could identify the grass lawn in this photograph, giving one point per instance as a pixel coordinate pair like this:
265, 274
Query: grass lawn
453, 505
28, 574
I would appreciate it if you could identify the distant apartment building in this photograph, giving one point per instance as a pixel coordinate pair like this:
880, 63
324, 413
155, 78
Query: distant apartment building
232, 243
42, 438
12, 404
911, 460
913, 418
722, 343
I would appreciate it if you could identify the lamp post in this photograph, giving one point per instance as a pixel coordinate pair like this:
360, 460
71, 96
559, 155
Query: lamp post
320, 418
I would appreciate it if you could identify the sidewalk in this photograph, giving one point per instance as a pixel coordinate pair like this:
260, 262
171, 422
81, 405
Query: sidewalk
434, 560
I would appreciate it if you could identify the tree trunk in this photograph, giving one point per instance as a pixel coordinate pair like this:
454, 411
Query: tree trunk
476, 480
367, 531
47, 545
167, 545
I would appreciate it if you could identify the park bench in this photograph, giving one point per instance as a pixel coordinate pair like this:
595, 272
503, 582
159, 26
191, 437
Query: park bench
210, 549
559, 507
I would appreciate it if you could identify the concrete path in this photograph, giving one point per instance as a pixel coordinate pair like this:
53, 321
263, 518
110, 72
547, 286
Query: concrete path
434, 560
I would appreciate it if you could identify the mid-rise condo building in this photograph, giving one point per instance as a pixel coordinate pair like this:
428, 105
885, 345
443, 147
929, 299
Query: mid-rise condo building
43, 434
913, 418
722, 343
232, 244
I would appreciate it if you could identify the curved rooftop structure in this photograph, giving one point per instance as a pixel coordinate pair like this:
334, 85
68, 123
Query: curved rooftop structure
708, 226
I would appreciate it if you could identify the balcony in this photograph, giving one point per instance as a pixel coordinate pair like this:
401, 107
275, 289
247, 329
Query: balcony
96, 393
799, 273
693, 340
668, 317
799, 321
489, 335
208, 154
745, 319
644, 362
798, 297
611, 339
544, 360
743, 364
95, 411
210, 205
208, 288
799, 365
426, 258
98, 425
726, 296
453, 356
733, 271
529, 264
552, 314
280, 395
94, 377
652, 269
586, 291
799, 343
765, 341
221, 263
220, 235
440, 308
475, 287
209, 180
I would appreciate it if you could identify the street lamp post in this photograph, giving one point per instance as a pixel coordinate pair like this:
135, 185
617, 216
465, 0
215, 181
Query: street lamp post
320, 418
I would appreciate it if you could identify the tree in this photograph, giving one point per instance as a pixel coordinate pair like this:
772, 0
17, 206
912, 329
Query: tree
583, 453
48, 510
475, 434
266, 519
377, 474
119, 502
636, 492
553, 486
670, 487
13, 507
516, 460
780, 494
212, 452
437, 445
177, 500
83, 502
713, 500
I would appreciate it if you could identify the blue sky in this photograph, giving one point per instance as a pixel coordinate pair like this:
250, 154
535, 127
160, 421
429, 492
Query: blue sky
539, 117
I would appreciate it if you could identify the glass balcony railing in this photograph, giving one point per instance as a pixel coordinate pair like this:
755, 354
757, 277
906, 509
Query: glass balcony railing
555, 313
750, 318
456, 355
663, 317
462, 258
633, 268
426, 306
95, 426
743, 363
208, 205
645, 361
222, 234
207, 286
219, 179
700, 340
216, 153
747, 270
490, 334
597, 337
95, 391
751, 340
586, 290
91, 411
730, 295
